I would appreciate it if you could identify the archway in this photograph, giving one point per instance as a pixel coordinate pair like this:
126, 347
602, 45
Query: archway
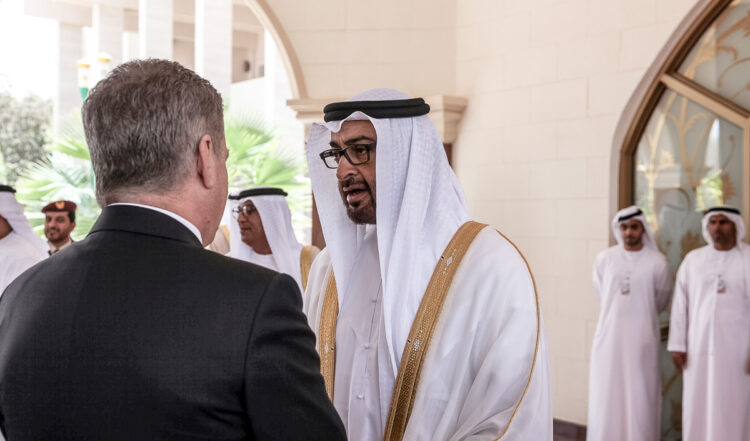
683, 144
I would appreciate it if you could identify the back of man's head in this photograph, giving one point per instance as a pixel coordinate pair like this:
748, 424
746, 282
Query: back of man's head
143, 125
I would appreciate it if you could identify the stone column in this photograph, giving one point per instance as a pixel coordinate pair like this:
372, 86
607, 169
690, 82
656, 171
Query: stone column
155, 28
131, 46
69, 51
213, 42
108, 24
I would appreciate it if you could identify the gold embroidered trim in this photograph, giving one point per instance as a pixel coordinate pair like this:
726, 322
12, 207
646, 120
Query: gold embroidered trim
420, 335
327, 344
305, 262
538, 336
430, 307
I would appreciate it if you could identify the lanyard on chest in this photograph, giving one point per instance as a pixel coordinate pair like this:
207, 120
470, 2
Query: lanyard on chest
415, 350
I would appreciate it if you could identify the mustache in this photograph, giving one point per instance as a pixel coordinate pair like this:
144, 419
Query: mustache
351, 180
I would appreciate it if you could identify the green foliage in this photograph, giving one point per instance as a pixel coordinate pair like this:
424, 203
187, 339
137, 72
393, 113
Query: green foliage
710, 191
65, 174
255, 159
24, 125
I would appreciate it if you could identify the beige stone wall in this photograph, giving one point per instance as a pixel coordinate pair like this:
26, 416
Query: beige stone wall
346, 46
546, 81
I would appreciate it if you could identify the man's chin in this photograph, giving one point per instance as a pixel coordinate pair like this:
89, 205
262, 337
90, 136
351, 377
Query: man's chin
361, 215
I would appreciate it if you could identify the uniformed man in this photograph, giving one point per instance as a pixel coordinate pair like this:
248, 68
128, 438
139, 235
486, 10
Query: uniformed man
59, 222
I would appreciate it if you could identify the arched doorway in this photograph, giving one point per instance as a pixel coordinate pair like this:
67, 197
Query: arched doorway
683, 143
683, 139
271, 23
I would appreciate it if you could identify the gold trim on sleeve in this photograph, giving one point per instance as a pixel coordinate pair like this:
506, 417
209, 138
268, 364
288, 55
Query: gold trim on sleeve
538, 336
305, 263
327, 343
420, 335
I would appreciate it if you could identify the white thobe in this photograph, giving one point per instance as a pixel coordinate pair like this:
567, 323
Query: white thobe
711, 322
16, 256
364, 375
265, 260
476, 382
624, 380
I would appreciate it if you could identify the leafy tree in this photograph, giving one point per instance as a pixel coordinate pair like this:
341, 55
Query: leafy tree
256, 158
24, 125
66, 173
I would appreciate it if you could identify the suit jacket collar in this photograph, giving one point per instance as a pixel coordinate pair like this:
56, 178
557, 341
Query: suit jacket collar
143, 221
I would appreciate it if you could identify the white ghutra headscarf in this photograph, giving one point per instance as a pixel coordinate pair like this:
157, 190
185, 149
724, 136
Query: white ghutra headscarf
633, 213
12, 211
419, 206
730, 212
277, 224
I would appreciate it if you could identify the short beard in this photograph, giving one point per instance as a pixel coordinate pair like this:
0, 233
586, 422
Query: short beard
632, 242
723, 240
361, 215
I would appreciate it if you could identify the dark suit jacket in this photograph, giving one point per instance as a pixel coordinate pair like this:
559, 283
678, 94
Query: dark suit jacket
138, 333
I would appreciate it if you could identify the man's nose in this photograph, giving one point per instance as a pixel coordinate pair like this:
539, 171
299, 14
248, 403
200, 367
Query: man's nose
345, 168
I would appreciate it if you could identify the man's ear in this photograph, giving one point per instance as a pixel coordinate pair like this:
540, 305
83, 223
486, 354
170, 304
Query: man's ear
206, 161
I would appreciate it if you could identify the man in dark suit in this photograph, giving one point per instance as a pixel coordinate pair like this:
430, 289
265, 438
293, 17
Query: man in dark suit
125, 336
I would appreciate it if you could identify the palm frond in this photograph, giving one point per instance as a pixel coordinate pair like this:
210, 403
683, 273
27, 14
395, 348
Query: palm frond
60, 177
256, 158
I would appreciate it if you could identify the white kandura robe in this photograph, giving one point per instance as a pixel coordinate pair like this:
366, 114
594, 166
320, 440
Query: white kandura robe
478, 364
714, 329
16, 256
624, 379
286, 251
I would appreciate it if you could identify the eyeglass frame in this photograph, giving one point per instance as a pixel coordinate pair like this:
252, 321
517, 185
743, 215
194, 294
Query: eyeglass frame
331, 153
245, 209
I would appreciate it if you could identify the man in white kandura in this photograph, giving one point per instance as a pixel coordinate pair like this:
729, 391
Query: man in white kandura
709, 334
261, 232
633, 282
20, 247
430, 329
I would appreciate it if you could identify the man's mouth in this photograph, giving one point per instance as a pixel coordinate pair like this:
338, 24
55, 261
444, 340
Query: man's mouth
355, 193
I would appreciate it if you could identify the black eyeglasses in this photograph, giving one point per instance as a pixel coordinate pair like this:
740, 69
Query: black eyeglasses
357, 154
247, 210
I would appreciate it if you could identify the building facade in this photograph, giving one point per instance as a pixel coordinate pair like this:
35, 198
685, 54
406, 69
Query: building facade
548, 108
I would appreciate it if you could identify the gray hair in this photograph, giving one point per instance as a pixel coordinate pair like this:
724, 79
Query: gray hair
143, 125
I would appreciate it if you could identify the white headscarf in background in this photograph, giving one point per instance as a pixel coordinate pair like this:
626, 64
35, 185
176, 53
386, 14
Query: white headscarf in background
419, 206
730, 212
277, 224
12, 211
630, 213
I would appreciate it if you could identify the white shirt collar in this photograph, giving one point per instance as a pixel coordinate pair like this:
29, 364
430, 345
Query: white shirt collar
189, 225
53, 248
